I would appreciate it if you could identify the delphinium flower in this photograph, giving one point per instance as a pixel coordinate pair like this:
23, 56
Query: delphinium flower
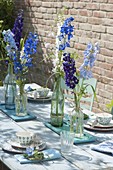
23, 61
11, 47
17, 29
69, 68
64, 34
89, 59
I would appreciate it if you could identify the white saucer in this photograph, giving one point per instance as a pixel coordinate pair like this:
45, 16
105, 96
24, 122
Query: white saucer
40, 145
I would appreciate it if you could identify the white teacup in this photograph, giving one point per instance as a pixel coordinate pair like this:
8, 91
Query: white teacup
104, 118
25, 137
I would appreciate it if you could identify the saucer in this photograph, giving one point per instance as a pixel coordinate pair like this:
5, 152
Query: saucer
40, 145
100, 129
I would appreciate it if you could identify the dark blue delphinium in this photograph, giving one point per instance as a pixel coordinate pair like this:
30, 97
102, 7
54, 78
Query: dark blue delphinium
17, 29
69, 69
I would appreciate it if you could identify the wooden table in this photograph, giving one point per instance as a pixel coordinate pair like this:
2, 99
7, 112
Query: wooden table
82, 158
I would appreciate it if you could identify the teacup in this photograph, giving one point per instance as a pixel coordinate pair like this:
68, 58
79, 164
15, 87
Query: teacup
104, 118
43, 92
25, 137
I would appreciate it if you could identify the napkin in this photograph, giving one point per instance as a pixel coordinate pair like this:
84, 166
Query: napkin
104, 147
49, 154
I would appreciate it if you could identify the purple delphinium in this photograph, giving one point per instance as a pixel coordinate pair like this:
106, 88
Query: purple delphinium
66, 34
17, 29
23, 60
89, 59
69, 69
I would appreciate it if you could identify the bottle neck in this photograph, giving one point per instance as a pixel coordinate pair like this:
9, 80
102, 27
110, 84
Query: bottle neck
10, 68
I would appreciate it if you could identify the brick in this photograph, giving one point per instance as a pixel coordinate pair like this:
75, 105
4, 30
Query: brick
109, 59
109, 88
109, 74
57, 4
91, 35
79, 5
107, 22
108, 45
106, 7
42, 10
105, 65
51, 11
68, 4
100, 58
93, 6
106, 52
85, 13
107, 37
79, 46
99, 14
110, 1
99, 28
105, 94
110, 30
99, 70
95, 21
36, 3
105, 80
47, 4
102, 1
73, 12
47, 16
100, 85
81, 19
109, 15
85, 26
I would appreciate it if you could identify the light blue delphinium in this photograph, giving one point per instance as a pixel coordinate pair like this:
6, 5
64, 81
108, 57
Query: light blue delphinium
89, 59
11, 47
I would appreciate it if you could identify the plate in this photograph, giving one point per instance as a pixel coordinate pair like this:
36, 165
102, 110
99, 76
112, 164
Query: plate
100, 129
39, 99
98, 125
40, 145
8, 148
110, 125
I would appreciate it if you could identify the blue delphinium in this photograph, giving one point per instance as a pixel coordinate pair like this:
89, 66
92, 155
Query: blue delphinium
23, 60
69, 68
17, 29
89, 59
66, 34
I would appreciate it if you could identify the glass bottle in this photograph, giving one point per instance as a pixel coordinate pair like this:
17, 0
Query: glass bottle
10, 88
21, 101
57, 104
77, 121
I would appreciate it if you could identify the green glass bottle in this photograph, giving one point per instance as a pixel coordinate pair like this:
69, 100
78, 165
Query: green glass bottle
57, 104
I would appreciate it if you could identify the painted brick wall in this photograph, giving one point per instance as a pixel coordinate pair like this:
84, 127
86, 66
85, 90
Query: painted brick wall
93, 22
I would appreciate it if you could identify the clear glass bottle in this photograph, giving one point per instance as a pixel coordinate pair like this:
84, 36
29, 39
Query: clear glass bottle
21, 101
10, 88
77, 121
57, 104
